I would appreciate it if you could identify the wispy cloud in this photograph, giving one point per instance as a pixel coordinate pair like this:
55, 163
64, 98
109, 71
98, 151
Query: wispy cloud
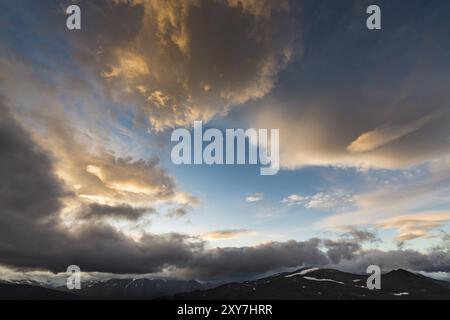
415, 226
322, 200
254, 197
385, 134
407, 204
293, 199
224, 234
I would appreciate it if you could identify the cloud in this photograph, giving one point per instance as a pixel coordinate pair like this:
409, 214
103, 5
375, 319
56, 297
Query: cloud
261, 7
348, 245
361, 236
178, 212
30, 189
95, 210
331, 114
343, 254
334, 200
31, 220
28, 226
407, 203
100, 177
246, 261
94, 166
341, 250
129, 65
224, 234
254, 197
385, 134
416, 225
180, 61
293, 199
170, 61
322, 200
432, 261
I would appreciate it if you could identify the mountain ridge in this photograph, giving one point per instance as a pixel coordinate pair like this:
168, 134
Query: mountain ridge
326, 284
302, 284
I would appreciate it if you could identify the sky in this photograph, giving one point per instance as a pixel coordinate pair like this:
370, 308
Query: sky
87, 116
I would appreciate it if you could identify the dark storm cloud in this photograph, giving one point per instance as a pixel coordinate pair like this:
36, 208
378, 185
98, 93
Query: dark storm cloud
361, 236
124, 211
338, 250
247, 261
29, 196
348, 245
433, 261
31, 234
29, 191
436, 259
341, 254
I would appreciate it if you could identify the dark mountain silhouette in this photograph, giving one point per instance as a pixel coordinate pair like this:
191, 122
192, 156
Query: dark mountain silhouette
326, 284
143, 288
11, 291
307, 283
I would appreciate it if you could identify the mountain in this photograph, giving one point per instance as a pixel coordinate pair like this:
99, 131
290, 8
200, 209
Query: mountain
137, 289
306, 283
327, 284
21, 291
142, 288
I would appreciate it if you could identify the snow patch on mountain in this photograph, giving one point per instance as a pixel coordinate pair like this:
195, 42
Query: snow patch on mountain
400, 294
301, 273
329, 280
